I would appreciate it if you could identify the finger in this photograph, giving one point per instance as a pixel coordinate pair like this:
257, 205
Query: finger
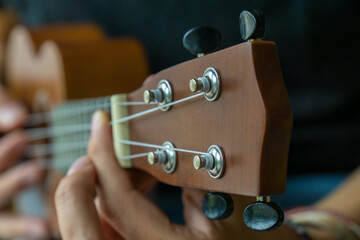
122, 207
18, 178
77, 215
101, 152
11, 148
12, 115
12, 226
194, 217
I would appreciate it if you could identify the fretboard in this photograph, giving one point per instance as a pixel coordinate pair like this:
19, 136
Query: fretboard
70, 131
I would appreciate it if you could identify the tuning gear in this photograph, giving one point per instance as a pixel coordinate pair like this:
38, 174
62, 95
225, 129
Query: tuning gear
202, 40
252, 25
216, 206
263, 215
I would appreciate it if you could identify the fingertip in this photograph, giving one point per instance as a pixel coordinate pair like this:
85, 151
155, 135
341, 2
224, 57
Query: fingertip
79, 164
193, 214
13, 115
99, 120
101, 143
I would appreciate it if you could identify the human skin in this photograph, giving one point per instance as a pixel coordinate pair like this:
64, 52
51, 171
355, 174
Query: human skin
125, 211
16, 177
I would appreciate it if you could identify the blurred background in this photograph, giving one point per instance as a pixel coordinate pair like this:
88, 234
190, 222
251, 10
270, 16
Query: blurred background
319, 54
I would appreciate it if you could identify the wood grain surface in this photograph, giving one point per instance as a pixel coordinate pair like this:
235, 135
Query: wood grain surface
251, 121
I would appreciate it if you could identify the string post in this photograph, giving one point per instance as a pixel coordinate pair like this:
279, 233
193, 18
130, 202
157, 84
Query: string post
201, 84
209, 84
162, 95
213, 161
157, 157
153, 96
205, 161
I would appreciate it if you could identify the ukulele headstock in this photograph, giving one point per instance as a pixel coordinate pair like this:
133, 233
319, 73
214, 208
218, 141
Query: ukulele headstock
249, 122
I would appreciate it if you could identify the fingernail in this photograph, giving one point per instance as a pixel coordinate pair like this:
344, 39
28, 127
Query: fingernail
98, 119
10, 114
78, 165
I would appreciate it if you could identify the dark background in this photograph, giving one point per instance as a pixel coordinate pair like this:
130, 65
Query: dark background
317, 43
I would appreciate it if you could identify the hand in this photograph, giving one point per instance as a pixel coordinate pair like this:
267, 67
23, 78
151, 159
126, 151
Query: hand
16, 178
120, 207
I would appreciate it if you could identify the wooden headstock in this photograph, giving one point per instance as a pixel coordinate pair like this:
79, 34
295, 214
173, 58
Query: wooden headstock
251, 121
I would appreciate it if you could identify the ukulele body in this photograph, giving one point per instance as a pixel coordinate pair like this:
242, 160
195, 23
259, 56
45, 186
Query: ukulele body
48, 66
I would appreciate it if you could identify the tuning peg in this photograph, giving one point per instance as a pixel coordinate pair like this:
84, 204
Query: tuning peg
216, 206
156, 95
252, 24
202, 40
263, 215
157, 157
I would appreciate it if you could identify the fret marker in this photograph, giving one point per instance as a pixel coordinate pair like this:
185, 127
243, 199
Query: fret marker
162, 95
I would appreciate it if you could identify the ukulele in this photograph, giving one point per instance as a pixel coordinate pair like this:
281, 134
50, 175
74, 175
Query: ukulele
220, 122
49, 65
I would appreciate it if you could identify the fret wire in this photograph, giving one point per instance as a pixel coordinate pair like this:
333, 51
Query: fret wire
45, 117
37, 150
48, 164
46, 132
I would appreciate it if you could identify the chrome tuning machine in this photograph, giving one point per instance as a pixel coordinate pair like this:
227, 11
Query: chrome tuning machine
162, 95
166, 157
209, 84
213, 161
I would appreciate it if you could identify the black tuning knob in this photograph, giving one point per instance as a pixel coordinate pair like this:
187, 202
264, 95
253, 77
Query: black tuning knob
201, 40
263, 216
252, 24
216, 206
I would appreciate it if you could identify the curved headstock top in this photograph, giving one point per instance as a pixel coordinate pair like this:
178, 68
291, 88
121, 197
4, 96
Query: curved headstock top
250, 120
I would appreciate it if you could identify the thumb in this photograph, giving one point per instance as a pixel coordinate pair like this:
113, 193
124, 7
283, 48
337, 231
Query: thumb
12, 114
124, 208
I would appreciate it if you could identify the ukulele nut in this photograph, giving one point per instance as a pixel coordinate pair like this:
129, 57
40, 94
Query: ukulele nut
209, 84
162, 95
